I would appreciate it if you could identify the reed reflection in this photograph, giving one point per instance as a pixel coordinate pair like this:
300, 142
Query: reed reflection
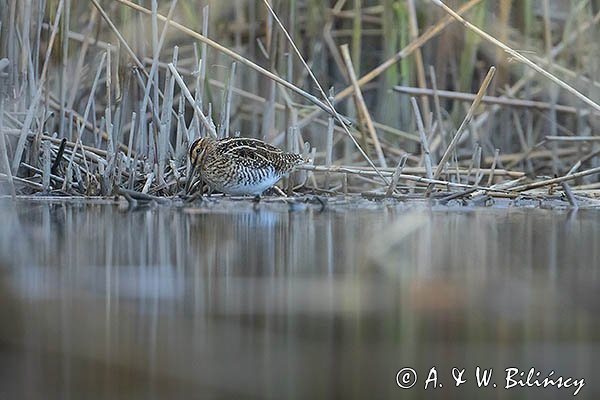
232, 302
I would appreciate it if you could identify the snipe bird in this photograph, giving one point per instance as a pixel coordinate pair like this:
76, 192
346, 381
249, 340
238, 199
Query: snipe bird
240, 166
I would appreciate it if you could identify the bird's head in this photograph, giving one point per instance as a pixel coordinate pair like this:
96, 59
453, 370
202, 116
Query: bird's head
198, 150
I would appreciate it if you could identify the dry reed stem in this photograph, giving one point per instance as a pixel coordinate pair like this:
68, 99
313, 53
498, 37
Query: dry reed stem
396, 175
118, 34
361, 105
327, 36
32, 108
162, 170
572, 138
329, 142
201, 77
454, 142
413, 29
232, 54
564, 178
569, 194
412, 178
82, 53
4, 152
520, 103
424, 144
437, 107
518, 56
423, 170
188, 95
323, 94
493, 168
227, 100
405, 52
35, 185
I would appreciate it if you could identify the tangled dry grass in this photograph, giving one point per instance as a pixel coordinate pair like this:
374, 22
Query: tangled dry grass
391, 98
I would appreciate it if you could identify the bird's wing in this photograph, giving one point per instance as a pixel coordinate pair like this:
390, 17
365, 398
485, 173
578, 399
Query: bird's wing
250, 157
256, 144
257, 154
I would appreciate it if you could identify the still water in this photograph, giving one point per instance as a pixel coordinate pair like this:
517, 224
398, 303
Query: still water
226, 300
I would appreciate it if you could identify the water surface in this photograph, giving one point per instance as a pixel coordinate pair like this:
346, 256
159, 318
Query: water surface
228, 301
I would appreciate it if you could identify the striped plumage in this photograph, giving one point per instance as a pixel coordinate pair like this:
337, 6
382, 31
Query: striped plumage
241, 166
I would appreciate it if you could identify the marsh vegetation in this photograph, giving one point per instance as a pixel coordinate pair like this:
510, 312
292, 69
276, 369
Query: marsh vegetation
388, 98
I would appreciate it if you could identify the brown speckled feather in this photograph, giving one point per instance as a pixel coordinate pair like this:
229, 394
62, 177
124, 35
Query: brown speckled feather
241, 165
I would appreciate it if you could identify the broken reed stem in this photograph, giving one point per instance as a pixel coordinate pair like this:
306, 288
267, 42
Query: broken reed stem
227, 113
569, 194
396, 175
59, 157
451, 147
493, 168
186, 92
46, 165
477, 163
423, 136
361, 105
437, 106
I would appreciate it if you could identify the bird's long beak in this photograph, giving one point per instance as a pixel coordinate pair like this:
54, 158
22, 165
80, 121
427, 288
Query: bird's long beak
195, 163
191, 179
